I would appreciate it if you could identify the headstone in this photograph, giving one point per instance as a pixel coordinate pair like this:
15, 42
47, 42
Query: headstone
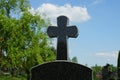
61, 69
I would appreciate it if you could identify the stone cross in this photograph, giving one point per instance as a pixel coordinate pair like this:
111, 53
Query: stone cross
61, 69
62, 32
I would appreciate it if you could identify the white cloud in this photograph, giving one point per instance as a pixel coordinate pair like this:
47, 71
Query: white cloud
97, 1
74, 13
108, 55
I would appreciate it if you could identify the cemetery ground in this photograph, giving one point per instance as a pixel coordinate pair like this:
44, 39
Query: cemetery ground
12, 78
5, 75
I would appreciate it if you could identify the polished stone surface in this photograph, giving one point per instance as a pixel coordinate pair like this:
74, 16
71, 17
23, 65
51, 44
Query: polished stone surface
62, 32
61, 70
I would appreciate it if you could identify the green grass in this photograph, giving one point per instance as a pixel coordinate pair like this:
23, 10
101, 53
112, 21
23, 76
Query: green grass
12, 78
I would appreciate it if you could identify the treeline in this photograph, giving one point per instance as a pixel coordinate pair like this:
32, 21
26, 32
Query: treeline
107, 72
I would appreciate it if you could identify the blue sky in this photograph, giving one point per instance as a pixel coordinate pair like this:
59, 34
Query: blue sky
98, 23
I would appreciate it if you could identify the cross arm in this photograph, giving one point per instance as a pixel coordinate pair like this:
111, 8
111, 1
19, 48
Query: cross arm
52, 31
72, 31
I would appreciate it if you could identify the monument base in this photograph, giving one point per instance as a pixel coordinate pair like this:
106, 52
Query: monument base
61, 70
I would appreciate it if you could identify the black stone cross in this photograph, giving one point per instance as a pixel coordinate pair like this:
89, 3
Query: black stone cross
62, 32
61, 69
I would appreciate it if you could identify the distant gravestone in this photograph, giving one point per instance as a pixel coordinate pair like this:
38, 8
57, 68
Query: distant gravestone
61, 69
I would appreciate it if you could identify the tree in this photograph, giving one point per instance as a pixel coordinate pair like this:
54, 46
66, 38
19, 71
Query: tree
23, 40
74, 59
8, 7
100, 71
96, 72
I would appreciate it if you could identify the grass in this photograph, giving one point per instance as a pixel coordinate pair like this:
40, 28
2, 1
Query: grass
12, 78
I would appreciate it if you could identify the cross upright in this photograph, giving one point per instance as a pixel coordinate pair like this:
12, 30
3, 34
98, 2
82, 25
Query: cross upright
62, 32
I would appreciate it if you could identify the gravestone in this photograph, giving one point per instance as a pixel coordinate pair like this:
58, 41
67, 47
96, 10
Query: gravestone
61, 69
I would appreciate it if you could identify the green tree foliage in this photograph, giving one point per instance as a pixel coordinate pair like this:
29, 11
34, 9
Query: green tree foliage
13, 6
74, 59
96, 72
23, 41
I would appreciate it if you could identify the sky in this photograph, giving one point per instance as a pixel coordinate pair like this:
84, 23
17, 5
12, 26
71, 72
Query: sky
98, 24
